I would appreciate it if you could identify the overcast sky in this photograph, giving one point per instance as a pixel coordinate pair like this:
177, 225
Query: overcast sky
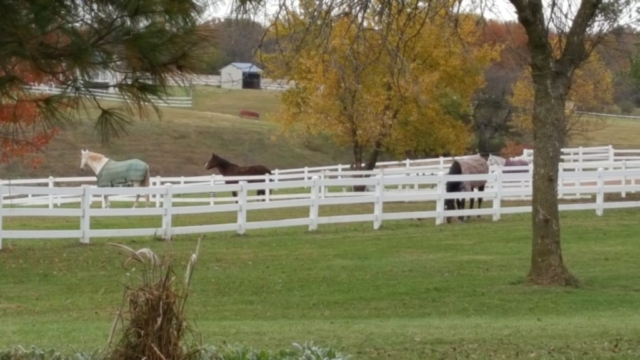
499, 10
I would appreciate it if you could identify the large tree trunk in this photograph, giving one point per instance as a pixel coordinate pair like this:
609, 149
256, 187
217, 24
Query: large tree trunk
552, 81
547, 267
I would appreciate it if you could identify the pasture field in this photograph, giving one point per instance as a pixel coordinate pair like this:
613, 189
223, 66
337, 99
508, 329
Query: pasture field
619, 132
408, 291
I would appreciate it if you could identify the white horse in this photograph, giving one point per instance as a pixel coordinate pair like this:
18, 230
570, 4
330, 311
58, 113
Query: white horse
496, 160
112, 173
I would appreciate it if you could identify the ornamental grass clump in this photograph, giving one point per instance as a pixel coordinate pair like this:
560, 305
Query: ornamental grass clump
151, 322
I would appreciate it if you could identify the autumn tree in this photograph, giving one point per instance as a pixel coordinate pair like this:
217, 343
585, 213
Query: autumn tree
579, 26
634, 68
591, 90
148, 43
401, 83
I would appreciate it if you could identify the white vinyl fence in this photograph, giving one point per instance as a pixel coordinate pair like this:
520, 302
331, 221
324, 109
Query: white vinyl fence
431, 189
170, 101
575, 160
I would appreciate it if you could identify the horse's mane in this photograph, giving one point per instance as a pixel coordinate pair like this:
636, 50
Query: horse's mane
224, 163
95, 156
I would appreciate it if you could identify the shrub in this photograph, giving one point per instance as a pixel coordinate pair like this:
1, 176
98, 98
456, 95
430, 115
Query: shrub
152, 315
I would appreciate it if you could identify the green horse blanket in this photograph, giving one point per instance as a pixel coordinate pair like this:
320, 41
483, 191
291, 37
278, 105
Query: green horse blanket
121, 173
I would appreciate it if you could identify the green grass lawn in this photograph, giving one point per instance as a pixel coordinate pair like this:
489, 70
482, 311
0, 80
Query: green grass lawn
408, 291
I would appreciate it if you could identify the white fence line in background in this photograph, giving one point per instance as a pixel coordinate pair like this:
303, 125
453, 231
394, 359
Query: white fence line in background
171, 101
587, 159
609, 115
215, 80
432, 189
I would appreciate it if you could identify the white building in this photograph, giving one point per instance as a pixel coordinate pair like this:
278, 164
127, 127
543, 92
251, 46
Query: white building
104, 80
240, 76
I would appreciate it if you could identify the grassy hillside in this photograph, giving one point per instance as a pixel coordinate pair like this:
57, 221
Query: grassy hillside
226, 101
183, 139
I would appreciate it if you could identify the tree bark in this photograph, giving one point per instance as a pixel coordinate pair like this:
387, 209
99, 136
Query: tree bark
547, 266
552, 81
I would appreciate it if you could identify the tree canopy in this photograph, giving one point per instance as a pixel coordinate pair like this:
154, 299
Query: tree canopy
400, 85
148, 44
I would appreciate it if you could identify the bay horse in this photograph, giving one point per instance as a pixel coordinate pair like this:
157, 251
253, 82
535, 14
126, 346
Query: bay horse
474, 164
228, 168
111, 173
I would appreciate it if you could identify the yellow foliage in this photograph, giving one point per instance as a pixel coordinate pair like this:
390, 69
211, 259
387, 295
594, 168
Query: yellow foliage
592, 88
401, 89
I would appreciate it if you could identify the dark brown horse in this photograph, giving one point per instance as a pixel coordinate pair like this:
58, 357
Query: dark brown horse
228, 168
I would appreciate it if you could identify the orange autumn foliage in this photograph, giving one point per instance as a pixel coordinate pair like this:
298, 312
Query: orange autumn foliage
21, 135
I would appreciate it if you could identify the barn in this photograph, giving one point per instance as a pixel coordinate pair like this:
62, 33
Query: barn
240, 76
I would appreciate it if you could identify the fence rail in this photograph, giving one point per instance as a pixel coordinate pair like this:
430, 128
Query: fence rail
171, 101
431, 189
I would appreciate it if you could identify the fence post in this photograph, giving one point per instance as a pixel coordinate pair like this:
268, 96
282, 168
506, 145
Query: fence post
167, 220
51, 184
529, 182
624, 178
344, 188
441, 168
85, 220
182, 180
313, 209
612, 156
440, 202
497, 200
323, 189
600, 195
580, 157
242, 207
158, 183
267, 191
377, 205
212, 200
1, 212
276, 173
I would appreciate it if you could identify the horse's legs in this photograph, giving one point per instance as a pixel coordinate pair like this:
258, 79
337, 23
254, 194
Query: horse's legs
461, 206
471, 201
481, 188
261, 192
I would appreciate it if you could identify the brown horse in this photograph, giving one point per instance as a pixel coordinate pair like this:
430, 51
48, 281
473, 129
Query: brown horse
228, 168
471, 165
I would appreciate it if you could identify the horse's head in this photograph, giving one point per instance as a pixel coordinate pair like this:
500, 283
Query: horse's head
84, 155
213, 162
